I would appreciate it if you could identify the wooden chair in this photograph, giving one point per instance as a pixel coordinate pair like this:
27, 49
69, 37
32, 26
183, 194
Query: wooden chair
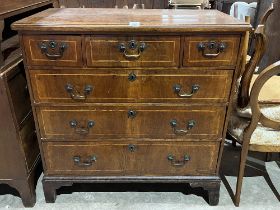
199, 4
241, 9
253, 124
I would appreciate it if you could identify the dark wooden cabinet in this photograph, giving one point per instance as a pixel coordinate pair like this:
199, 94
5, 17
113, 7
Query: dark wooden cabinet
135, 96
19, 150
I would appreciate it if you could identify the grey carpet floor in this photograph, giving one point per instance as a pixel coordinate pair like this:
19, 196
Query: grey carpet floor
256, 193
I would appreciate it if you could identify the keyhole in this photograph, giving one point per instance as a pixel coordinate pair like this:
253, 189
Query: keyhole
212, 45
132, 45
53, 44
132, 77
131, 148
131, 114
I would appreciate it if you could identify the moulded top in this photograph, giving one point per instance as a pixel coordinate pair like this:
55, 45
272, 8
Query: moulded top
147, 20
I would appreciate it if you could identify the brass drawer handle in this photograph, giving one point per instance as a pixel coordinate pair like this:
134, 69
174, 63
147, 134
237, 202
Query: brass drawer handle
189, 126
75, 95
132, 46
178, 163
82, 130
178, 90
52, 49
212, 45
88, 162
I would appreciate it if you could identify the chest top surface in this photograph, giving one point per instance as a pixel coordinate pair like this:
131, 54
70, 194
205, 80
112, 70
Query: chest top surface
112, 20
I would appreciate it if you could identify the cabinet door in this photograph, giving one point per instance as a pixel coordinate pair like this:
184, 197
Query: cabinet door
12, 161
20, 100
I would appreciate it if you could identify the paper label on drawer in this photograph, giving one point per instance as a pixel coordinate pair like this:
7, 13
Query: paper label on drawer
134, 24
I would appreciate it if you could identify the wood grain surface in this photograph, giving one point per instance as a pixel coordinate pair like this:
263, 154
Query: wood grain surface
117, 159
103, 51
55, 123
106, 20
146, 84
149, 86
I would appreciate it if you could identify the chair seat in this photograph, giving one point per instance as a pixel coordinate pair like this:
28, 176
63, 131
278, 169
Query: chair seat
263, 139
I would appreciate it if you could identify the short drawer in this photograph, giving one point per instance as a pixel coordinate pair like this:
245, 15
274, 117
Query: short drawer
208, 51
53, 50
136, 51
130, 86
83, 159
20, 100
131, 158
101, 122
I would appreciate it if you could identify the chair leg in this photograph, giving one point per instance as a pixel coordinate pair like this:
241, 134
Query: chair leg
243, 158
271, 185
233, 143
268, 157
278, 163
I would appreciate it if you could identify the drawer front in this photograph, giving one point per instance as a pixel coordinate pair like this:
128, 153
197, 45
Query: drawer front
119, 51
130, 86
53, 50
99, 122
83, 159
20, 97
167, 158
217, 50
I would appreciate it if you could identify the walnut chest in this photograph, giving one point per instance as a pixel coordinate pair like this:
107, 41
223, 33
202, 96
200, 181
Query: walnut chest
131, 96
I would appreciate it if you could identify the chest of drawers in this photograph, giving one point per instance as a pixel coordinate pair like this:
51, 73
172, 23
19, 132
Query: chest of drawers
131, 96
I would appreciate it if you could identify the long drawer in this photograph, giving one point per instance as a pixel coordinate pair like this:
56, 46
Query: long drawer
131, 158
69, 86
135, 121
